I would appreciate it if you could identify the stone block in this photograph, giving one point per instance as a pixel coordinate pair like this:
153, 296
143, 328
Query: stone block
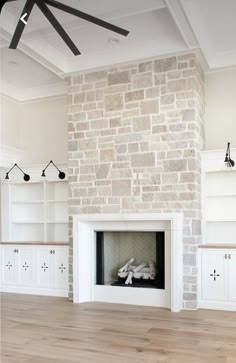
175, 165
87, 144
72, 145
79, 97
102, 171
149, 107
107, 155
196, 227
145, 67
114, 102
142, 80
94, 76
165, 65
167, 99
133, 147
118, 77
134, 96
143, 160
180, 85
160, 79
159, 128
189, 115
121, 187
190, 259
152, 92
141, 124
169, 178
79, 116
99, 124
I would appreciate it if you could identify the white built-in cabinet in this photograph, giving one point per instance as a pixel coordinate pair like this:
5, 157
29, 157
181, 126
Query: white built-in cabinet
34, 269
218, 255
34, 232
218, 278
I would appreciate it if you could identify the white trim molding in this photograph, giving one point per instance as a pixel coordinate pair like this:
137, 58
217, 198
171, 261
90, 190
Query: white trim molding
9, 155
84, 228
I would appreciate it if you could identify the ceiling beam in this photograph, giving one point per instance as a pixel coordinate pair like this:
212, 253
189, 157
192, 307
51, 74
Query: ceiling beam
182, 23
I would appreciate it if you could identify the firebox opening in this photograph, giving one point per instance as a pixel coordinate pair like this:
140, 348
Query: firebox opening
130, 259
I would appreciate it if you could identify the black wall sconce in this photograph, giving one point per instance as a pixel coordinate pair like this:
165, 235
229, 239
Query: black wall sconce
229, 162
26, 177
61, 174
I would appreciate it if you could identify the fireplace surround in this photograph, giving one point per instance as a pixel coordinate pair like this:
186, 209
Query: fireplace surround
85, 287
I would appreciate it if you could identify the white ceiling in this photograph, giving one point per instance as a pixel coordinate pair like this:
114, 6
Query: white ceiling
157, 28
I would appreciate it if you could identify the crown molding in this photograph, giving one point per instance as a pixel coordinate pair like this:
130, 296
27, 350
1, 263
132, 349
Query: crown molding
34, 93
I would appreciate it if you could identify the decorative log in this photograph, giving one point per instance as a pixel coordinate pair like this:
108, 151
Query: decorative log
139, 267
128, 281
126, 266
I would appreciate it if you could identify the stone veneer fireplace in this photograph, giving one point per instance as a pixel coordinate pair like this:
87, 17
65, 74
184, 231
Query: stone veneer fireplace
135, 135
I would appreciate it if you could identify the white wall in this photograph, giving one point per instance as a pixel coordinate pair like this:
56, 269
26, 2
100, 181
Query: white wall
220, 109
44, 132
10, 119
38, 127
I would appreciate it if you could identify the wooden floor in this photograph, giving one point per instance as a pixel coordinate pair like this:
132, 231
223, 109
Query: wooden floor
53, 330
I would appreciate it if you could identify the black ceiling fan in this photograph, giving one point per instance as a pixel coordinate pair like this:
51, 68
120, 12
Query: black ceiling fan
43, 6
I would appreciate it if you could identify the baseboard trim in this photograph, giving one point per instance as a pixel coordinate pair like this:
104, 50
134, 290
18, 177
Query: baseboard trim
34, 291
228, 306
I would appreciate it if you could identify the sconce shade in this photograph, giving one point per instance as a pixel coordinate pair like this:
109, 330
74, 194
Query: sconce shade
229, 162
61, 175
26, 177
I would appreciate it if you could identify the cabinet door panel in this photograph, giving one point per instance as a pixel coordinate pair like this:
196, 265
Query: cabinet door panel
26, 268
10, 265
61, 268
44, 268
214, 275
232, 274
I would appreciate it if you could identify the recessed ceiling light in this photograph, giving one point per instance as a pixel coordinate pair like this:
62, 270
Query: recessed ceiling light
114, 41
13, 64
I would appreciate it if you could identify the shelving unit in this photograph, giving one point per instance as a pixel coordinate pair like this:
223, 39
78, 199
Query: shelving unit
218, 199
217, 254
35, 211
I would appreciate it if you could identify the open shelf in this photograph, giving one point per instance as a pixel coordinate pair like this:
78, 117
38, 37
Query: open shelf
219, 204
36, 211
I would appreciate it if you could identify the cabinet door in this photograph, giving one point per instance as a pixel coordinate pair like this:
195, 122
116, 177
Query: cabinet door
45, 268
26, 266
61, 268
232, 274
10, 265
214, 275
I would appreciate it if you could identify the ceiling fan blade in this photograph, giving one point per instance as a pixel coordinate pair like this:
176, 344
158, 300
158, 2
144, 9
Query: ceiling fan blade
21, 25
87, 17
3, 3
57, 26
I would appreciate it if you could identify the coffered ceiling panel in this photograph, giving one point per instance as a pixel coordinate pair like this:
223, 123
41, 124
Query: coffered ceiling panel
157, 28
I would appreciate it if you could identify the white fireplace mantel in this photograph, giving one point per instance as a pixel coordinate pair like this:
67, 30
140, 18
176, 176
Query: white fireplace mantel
84, 227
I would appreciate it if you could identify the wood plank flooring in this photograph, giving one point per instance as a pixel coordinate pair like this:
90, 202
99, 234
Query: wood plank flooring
38, 329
